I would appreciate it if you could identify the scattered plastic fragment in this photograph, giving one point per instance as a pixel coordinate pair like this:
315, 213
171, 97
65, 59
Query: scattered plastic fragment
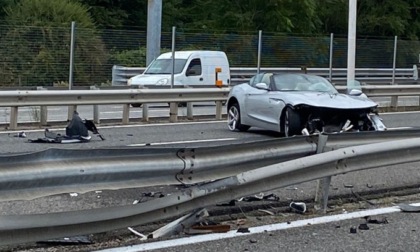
298, 207
74, 194
142, 236
353, 230
408, 208
266, 211
348, 186
21, 134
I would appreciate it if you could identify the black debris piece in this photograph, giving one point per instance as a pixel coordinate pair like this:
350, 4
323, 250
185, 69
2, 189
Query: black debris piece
230, 203
298, 207
363, 226
376, 221
353, 230
75, 240
243, 230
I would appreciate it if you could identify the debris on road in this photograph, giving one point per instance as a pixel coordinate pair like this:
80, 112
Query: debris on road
408, 208
298, 207
75, 240
376, 221
353, 230
180, 225
363, 226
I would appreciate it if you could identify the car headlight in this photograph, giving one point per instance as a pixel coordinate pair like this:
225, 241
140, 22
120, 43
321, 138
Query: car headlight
162, 82
129, 81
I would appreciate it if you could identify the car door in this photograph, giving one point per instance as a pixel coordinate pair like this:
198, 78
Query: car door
258, 105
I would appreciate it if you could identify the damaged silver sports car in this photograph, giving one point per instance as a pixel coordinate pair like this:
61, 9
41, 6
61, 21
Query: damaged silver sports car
297, 104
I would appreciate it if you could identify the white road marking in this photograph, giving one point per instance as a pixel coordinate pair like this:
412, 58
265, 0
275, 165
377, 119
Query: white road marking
255, 230
182, 142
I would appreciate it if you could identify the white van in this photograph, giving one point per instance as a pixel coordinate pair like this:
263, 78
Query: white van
192, 68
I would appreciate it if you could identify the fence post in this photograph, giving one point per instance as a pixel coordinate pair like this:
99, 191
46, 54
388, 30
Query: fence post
259, 51
394, 99
331, 54
71, 109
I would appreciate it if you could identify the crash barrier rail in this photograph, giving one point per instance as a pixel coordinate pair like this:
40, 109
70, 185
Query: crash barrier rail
253, 168
121, 74
73, 98
144, 96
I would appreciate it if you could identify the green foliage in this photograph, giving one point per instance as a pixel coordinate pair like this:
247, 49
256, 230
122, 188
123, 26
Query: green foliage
35, 50
130, 58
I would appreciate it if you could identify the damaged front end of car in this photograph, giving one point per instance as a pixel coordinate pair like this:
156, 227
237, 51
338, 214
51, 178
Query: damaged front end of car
333, 120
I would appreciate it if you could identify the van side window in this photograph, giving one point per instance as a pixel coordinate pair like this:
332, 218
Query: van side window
194, 68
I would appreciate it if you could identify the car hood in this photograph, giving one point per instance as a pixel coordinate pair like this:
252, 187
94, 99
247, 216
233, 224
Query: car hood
149, 79
327, 100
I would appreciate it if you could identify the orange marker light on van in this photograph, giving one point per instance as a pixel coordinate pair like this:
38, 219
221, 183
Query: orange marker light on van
217, 70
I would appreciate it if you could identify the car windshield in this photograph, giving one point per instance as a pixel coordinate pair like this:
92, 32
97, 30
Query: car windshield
164, 66
302, 82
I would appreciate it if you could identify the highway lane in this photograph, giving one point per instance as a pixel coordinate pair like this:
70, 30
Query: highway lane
207, 133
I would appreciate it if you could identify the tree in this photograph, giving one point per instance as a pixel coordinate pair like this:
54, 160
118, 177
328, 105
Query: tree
35, 48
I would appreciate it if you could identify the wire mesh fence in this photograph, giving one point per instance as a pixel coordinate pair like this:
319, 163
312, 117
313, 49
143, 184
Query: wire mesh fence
40, 56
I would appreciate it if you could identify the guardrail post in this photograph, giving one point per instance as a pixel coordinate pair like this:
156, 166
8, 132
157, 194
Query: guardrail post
323, 185
173, 112
96, 118
43, 113
70, 111
145, 112
126, 114
13, 118
219, 106
190, 111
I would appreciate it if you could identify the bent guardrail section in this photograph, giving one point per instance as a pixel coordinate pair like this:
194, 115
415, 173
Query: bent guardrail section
25, 228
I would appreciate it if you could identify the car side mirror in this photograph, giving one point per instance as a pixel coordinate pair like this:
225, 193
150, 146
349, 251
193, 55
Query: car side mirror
355, 92
262, 86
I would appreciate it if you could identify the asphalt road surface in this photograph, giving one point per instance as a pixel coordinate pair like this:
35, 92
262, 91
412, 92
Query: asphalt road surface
399, 235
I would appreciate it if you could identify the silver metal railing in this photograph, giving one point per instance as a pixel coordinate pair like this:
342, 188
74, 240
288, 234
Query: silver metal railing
74, 98
121, 74
266, 174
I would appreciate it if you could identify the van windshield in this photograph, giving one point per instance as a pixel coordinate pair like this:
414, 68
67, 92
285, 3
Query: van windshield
164, 66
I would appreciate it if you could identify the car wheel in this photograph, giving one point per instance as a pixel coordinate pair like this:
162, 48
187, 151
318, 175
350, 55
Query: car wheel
291, 122
136, 105
234, 119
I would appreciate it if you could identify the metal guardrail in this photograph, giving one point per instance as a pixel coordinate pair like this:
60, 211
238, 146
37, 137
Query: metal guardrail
262, 176
44, 98
121, 74
73, 98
